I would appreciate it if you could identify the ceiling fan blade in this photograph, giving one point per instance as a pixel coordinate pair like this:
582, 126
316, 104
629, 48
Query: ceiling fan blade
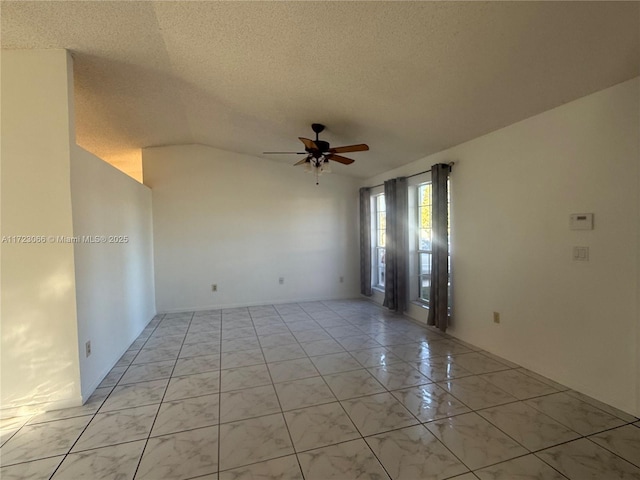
350, 148
310, 144
340, 159
284, 153
304, 160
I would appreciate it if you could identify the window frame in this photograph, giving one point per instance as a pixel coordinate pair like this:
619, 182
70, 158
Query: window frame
421, 251
377, 250
418, 251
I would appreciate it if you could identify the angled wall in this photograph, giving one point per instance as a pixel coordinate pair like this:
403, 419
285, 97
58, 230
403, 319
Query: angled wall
39, 354
115, 290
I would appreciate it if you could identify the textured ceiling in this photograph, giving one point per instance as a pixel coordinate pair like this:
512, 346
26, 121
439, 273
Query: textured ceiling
408, 78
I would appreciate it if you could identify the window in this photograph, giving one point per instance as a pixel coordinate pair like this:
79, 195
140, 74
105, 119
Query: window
380, 219
424, 243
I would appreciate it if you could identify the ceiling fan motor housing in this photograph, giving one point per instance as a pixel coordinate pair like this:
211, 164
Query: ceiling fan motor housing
322, 146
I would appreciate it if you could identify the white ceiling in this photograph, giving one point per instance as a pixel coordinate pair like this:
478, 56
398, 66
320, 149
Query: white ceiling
408, 78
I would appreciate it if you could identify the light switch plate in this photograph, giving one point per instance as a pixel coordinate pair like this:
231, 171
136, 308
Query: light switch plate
581, 221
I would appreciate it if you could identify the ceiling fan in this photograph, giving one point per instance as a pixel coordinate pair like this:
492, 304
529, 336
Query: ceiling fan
318, 153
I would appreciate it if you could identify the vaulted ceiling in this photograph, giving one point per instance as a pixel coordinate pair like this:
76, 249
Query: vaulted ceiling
408, 78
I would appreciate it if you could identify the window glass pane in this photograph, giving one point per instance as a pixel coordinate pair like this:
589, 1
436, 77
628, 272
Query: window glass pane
382, 221
425, 263
382, 238
425, 218
424, 242
380, 265
425, 286
424, 194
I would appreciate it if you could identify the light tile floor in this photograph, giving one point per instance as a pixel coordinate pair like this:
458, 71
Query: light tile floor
320, 390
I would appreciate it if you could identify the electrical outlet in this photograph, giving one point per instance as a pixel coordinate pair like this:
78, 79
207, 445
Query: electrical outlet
341, 279
581, 254
87, 348
281, 280
496, 317
214, 287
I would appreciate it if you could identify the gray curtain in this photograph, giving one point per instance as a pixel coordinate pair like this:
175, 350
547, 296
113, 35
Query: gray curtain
365, 241
439, 293
396, 251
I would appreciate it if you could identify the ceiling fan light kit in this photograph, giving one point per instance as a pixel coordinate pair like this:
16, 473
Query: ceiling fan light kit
319, 153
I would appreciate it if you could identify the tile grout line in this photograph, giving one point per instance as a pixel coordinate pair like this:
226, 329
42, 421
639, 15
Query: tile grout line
275, 390
608, 449
219, 397
163, 395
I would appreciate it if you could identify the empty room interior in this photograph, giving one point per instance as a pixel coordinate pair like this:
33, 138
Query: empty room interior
320, 240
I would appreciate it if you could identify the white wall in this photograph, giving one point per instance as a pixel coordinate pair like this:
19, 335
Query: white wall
242, 222
115, 290
512, 192
39, 354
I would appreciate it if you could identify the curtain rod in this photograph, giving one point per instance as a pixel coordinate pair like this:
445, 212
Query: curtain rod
451, 164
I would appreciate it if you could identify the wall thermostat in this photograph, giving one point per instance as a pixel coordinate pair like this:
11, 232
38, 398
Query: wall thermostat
582, 221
